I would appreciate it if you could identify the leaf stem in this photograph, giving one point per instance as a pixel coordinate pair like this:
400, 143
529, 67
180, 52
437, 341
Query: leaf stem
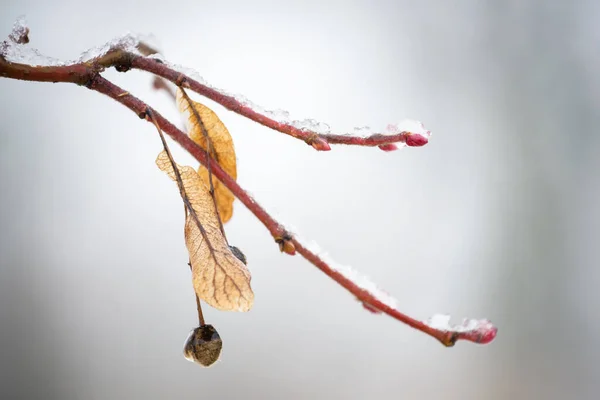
200, 315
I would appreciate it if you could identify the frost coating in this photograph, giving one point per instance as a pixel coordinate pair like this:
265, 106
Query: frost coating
442, 322
283, 116
418, 135
23, 53
127, 42
408, 125
19, 30
278, 115
363, 282
353, 275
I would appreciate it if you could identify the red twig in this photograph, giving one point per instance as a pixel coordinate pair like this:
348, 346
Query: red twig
319, 141
448, 338
88, 74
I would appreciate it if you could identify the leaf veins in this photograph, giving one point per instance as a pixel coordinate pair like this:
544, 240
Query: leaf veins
206, 129
219, 277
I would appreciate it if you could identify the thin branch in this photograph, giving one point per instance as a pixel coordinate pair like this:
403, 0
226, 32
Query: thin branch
319, 141
87, 75
124, 60
448, 338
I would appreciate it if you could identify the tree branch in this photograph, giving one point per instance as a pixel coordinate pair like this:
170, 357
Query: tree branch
124, 60
88, 74
319, 141
485, 334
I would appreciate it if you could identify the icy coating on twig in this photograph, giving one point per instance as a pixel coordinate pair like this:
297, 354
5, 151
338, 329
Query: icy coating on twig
439, 322
408, 125
23, 53
16, 52
278, 115
352, 274
442, 322
308, 124
19, 30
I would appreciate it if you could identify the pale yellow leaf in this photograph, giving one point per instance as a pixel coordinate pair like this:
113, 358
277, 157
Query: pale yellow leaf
219, 277
221, 145
223, 196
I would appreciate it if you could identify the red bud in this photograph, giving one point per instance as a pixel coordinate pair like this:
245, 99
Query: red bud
320, 144
416, 140
388, 147
370, 308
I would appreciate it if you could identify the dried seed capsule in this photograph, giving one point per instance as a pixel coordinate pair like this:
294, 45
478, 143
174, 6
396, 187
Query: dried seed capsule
238, 253
203, 346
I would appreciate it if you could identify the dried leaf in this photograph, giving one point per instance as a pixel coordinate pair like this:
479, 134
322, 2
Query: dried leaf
219, 277
221, 146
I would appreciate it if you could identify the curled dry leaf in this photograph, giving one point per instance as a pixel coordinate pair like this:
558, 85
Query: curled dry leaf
220, 278
203, 124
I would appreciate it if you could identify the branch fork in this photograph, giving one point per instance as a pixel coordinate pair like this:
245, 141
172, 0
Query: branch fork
88, 73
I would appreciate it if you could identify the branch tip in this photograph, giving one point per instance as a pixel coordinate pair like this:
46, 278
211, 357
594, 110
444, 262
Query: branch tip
416, 140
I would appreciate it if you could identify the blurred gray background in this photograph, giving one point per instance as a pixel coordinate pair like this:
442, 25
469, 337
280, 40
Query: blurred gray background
495, 218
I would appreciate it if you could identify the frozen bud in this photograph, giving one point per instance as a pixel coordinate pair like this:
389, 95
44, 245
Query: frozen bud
415, 134
486, 332
203, 346
319, 144
372, 309
416, 140
388, 147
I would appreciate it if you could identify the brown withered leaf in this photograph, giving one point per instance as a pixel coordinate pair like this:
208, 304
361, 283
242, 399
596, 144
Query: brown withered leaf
219, 277
221, 147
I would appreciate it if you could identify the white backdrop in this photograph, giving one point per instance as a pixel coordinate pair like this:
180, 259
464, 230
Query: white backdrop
495, 218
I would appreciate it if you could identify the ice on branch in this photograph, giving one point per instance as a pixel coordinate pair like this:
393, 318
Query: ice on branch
17, 51
277, 115
363, 282
20, 31
442, 322
418, 135
128, 42
353, 275
478, 331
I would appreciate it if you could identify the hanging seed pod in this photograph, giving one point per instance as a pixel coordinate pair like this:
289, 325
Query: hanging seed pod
203, 346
